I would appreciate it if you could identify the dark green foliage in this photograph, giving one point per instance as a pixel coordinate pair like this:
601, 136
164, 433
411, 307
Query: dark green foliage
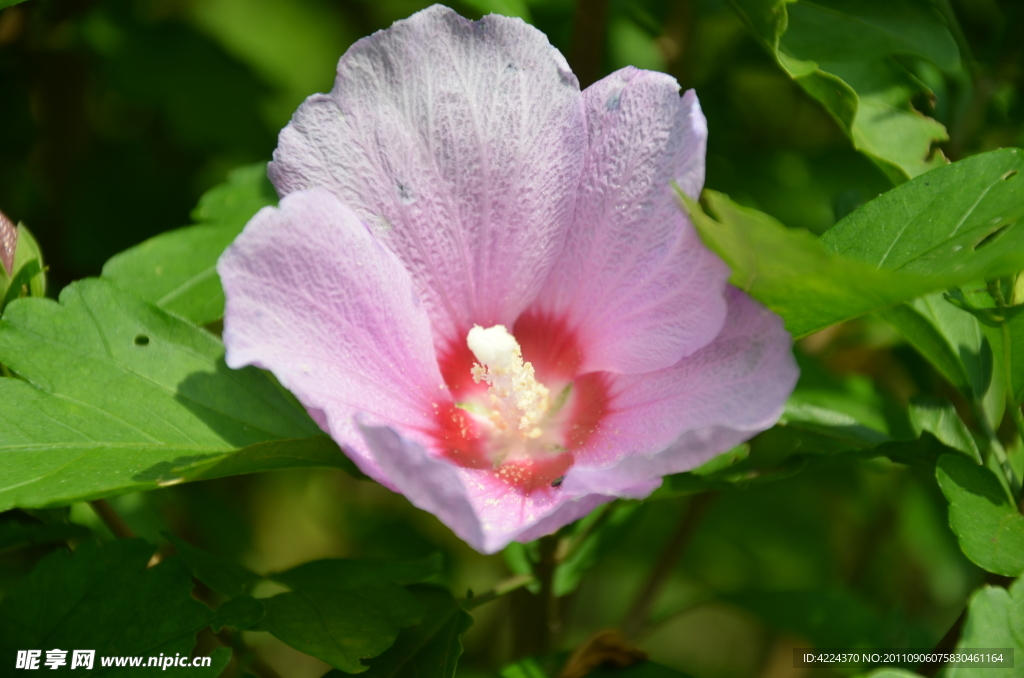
343, 611
119, 395
105, 598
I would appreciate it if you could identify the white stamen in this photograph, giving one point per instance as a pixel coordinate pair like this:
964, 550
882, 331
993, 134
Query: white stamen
520, 401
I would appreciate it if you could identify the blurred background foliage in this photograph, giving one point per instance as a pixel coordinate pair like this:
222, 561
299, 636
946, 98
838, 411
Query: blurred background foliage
117, 115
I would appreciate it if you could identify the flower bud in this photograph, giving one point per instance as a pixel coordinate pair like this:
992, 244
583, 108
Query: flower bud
8, 243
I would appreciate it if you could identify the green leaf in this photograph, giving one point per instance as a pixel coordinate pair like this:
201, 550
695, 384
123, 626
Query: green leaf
432, 648
593, 536
842, 53
929, 241
177, 270
105, 598
1004, 328
28, 274
4, 4
221, 575
995, 619
343, 611
1008, 341
120, 396
949, 221
26, 252
955, 343
983, 517
15, 533
242, 612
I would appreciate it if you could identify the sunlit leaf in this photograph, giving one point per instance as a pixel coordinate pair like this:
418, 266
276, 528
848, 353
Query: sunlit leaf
842, 53
986, 522
120, 396
936, 232
995, 619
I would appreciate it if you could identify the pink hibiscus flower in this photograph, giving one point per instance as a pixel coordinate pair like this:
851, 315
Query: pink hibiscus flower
480, 282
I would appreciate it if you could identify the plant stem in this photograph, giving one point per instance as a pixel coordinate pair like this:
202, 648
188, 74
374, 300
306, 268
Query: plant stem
502, 588
535, 616
547, 605
640, 611
110, 518
567, 547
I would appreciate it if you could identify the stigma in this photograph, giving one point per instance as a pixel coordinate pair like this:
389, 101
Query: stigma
519, 401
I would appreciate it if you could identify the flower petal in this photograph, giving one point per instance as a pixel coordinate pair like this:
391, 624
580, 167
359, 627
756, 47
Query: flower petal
314, 298
507, 515
461, 143
428, 483
673, 420
634, 280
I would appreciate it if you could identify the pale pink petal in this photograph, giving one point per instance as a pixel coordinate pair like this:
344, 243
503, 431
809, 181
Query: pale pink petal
675, 419
507, 515
461, 144
431, 484
313, 297
477, 506
634, 281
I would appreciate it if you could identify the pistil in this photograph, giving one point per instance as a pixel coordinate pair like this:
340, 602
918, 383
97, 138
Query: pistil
520, 402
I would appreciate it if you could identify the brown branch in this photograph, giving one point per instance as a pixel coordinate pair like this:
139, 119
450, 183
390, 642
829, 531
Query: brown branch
110, 518
640, 611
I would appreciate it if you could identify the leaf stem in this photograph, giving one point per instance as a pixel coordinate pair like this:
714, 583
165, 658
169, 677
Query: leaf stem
111, 519
501, 588
640, 611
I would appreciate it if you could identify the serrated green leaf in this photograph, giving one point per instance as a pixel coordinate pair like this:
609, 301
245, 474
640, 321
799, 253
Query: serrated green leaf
842, 53
995, 619
221, 575
927, 235
105, 598
942, 223
120, 396
344, 611
432, 648
988, 526
177, 270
